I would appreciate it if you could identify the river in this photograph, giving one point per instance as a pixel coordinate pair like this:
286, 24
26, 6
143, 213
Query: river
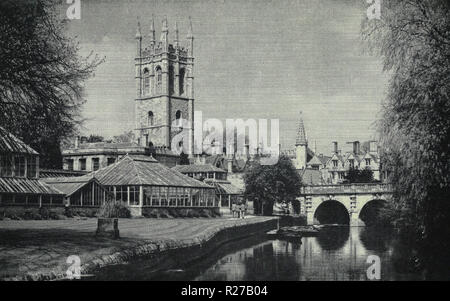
338, 253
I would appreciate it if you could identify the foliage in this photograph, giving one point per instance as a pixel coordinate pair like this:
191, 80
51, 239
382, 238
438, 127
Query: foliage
413, 38
184, 159
125, 137
268, 184
41, 76
95, 138
355, 175
113, 209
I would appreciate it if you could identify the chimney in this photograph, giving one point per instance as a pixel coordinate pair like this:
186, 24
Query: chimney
335, 147
230, 166
356, 147
77, 141
373, 147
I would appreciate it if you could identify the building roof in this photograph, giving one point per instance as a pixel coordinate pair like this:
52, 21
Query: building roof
224, 187
197, 168
56, 173
311, 177
28, 186
11, 144
69, 185
138, 170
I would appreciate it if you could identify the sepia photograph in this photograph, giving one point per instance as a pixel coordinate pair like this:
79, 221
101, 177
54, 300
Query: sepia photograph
220, 147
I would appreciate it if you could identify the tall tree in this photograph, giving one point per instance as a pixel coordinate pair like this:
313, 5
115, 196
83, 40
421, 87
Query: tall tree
41, 76
270, 184
413, 38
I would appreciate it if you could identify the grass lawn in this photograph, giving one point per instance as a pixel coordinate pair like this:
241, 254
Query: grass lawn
43, 246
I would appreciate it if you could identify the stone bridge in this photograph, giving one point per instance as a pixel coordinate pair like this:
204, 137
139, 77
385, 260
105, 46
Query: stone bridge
346, 203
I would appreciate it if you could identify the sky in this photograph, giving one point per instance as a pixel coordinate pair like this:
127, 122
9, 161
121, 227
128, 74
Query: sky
253, 59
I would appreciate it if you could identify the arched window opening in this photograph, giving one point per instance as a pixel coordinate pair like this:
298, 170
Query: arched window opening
178, 117
181, 80
171, 80
158, 79
146, 82
150, 118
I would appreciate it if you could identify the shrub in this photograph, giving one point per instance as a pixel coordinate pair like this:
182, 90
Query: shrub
44, 213
114, 210
68, 212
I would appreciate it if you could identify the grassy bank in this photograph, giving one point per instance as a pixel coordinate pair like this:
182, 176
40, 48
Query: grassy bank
38, 250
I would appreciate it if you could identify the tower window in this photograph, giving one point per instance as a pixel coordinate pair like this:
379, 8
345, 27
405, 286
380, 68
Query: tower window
171, 81
158, 79
178, 116
150, 118
181, 80
146, 82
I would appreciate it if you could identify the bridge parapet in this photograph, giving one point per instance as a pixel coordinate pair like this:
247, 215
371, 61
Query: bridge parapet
355, 188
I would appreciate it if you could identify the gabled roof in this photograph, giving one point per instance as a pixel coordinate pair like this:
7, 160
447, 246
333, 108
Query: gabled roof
315, 161
197, 168
11, 144
336, 157
141, 170
69, 185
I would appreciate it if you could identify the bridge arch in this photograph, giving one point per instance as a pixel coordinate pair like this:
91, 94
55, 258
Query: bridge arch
331, 212
369, 213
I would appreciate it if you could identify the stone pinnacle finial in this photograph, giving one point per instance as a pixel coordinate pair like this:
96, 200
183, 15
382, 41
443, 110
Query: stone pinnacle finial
176, 34
165, 26
138, 30
301, 133
152, 29
190, 31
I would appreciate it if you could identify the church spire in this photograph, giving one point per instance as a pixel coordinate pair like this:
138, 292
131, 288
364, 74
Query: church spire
301, 133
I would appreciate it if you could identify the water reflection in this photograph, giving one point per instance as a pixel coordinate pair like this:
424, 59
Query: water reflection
338, 253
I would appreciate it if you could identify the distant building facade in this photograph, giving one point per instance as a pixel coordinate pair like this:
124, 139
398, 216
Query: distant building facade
319, 169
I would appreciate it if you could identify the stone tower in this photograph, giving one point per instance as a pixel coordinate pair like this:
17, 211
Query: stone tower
164, 86
301, 145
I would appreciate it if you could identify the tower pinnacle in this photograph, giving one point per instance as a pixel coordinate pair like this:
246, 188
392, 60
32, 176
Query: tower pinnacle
152, 31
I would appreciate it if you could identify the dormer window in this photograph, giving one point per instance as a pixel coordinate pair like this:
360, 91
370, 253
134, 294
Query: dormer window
368, 162
351, 162
335, 163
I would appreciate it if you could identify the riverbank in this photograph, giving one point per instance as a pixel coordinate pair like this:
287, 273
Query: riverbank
38, 250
